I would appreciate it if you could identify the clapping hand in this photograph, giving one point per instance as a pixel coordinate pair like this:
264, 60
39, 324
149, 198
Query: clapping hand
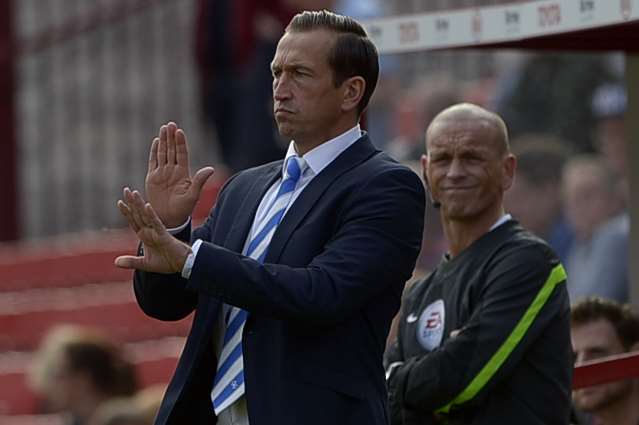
163, 253
170, 189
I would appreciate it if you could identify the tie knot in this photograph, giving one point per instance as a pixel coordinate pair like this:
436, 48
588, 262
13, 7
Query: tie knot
294, 167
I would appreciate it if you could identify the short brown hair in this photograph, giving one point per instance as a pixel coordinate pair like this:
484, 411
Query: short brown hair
85, 350
621, 316
353, 53
540, 157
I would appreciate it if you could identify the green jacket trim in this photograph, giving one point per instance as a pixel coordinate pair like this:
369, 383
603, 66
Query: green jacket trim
557, 275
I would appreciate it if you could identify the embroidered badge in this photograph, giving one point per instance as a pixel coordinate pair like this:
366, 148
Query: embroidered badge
430, 328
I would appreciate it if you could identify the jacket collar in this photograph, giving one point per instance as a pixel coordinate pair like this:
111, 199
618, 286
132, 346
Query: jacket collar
357, 153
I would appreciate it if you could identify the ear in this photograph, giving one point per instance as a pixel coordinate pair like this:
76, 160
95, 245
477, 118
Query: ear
353, 91
509, 165
424, 162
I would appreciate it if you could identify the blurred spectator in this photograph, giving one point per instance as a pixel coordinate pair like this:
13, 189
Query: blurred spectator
235, 44
379, 113
609, 107
603, 328
235, 40
149, 400
542, 93
598, 262
414, 111
119, 411
535, 197
140, 409
76, 369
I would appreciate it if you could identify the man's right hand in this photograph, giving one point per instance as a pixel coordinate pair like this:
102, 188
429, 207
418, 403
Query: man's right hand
169, 187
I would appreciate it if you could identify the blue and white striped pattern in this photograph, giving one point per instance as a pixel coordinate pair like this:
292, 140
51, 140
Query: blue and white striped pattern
229, 378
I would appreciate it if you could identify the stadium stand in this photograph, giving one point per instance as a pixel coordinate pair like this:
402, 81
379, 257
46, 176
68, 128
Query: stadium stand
71, 279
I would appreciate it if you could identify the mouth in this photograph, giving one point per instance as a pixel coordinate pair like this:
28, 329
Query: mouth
457, 188
282, 111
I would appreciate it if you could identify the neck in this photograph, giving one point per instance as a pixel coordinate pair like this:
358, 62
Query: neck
624, 412
462, 233
307, 144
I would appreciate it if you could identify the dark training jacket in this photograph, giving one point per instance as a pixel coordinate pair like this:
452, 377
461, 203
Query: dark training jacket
511, 360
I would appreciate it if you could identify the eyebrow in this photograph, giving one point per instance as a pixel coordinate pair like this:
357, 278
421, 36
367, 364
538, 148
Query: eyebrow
298, 65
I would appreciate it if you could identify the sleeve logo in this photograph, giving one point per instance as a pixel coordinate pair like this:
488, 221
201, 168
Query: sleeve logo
430, 328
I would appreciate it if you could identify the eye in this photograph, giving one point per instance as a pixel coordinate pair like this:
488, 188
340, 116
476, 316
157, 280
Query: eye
439, 159
472, 158
301, 72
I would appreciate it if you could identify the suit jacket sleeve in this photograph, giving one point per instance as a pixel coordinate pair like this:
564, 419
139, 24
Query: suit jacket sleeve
165, 296
524, 292
375, 244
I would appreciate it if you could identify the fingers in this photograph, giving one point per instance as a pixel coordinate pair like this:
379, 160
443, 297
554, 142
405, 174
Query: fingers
136, 205
128, 209
153, 219
170, 146
133, 208
153, 154
140, 210
126, 212
129, 262
181, 149
200, 178
162, 146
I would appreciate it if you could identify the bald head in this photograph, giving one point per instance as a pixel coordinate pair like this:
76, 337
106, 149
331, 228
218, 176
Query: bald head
468, 114
468, 167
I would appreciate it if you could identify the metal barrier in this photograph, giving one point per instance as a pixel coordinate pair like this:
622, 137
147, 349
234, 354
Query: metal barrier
608, 369
95, 79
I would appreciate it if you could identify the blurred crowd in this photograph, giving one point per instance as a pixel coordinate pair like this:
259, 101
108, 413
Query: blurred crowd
83, 375
571, 189
565, 115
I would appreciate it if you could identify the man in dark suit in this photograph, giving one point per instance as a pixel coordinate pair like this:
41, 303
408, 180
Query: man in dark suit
299, 269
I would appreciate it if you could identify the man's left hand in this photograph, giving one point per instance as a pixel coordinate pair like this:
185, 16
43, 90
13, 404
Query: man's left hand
163, 253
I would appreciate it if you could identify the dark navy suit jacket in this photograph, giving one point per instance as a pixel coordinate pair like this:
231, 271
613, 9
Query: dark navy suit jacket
320, 306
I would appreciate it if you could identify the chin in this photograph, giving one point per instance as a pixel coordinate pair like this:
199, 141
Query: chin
459, 212
285, 130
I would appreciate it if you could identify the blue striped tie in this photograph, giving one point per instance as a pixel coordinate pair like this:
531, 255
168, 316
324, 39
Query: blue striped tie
229, 378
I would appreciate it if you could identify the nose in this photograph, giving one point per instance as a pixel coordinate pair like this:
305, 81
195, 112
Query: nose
456, 169
281, 89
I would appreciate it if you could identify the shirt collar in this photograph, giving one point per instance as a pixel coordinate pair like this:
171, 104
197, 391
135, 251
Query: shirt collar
321, 156
501, 220
504, 218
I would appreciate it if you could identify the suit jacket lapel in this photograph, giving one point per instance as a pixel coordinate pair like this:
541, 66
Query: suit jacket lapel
351, 157
236, 237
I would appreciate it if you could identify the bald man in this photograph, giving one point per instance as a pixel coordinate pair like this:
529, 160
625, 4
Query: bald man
485, 338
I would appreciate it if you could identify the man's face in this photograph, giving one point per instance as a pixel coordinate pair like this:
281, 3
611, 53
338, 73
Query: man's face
537, 216
610, 139
592, 341
466, 170
587, 202
307, 105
